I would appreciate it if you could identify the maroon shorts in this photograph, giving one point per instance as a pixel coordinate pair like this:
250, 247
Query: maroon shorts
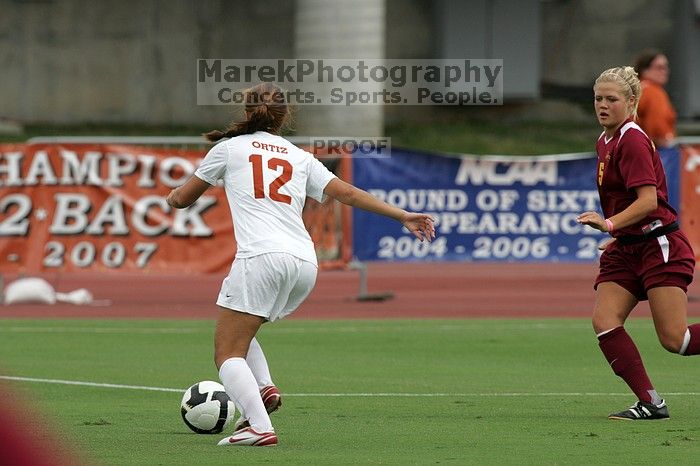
664, 261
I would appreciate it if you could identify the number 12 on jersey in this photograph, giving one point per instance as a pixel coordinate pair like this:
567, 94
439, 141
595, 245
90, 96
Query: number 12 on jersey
277, 183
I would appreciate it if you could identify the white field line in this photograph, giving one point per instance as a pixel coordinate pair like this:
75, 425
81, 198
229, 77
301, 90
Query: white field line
338, 395
90, 384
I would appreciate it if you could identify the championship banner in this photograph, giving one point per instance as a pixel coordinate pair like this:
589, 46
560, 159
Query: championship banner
494, 208
690, 195
102, 208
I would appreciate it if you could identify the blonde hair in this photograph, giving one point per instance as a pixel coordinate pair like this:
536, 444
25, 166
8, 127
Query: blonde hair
627, 79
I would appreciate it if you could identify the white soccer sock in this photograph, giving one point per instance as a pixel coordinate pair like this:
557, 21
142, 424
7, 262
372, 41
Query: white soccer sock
656, 400
604, 332
240, 384
258, 364
686, 342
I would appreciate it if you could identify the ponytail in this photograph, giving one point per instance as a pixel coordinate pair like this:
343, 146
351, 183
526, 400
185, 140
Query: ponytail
215, 135
266, 110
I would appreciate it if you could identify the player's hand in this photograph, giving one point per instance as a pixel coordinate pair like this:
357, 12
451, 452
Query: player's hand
421, 225
593, 220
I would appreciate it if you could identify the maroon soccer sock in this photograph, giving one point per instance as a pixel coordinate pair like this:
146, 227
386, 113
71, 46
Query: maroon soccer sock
626, 362
693, 336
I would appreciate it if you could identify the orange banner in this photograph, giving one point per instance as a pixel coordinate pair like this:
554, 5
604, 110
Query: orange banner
690, 195
101, 208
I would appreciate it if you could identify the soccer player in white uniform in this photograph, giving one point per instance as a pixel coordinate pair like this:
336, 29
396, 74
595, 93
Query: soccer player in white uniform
267, 180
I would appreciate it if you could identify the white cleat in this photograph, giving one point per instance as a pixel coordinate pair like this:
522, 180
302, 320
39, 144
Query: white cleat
251, 438
272, 399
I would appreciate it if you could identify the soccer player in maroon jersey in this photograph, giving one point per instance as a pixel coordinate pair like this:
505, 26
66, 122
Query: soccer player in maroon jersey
648, 257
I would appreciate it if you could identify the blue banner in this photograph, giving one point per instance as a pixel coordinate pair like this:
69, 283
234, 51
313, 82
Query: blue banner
671, 159
494, 208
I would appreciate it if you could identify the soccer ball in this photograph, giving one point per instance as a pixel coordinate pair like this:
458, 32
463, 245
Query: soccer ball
206, 408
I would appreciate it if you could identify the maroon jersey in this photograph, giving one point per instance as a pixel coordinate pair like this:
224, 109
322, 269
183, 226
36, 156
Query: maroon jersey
626, 161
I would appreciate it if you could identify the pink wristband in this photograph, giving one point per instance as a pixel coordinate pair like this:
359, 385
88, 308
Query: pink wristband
609, 224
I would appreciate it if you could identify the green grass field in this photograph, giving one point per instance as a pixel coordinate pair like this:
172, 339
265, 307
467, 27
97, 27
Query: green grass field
362, 392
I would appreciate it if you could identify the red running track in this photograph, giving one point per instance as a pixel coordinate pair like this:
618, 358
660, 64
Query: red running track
463, 290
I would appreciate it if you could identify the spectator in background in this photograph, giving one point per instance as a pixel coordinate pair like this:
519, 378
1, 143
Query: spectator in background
655, 113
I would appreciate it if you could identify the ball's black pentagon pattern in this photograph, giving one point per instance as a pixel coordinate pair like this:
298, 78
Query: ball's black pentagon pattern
194, 428
223, 400
197, 397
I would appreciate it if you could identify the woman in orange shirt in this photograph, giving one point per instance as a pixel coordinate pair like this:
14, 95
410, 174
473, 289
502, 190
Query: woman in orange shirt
655, 114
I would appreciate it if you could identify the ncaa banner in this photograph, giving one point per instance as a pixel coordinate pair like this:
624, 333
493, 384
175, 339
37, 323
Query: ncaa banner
492, 208
671, 160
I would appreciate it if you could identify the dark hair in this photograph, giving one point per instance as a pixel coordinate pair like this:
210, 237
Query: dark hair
265, 110
644, 59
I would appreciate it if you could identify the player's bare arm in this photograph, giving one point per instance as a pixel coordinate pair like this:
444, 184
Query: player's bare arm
421, 225
645, 204
186, 195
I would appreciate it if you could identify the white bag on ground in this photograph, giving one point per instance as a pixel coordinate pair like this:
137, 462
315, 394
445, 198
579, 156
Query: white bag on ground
30, 290
38, 290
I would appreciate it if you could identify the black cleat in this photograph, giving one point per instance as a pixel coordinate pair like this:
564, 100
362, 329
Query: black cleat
642, 411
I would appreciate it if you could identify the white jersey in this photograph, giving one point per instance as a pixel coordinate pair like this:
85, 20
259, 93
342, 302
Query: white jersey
267, 180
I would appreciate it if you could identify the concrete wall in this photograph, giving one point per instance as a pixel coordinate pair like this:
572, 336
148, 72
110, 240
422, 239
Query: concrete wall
131, 61
499, 29
685, 59
340, 29
581, 38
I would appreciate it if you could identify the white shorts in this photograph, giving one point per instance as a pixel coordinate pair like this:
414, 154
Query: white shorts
270, 285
